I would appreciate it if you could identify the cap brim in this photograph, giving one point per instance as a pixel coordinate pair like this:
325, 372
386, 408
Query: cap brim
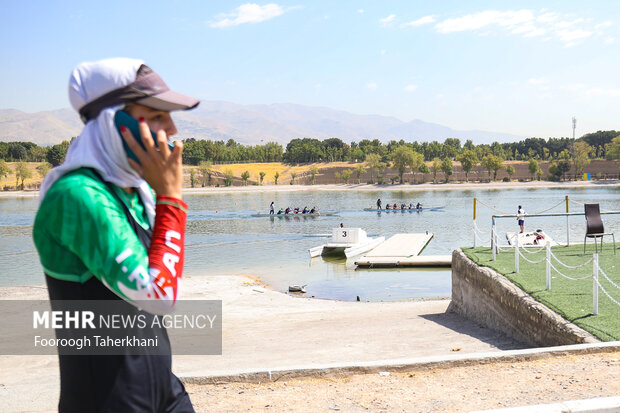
169, 101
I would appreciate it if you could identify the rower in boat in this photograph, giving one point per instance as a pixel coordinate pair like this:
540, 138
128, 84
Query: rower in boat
305, 211
287, 210
280, 211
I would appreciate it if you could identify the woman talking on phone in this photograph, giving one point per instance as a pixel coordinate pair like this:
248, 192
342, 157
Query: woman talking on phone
111, 226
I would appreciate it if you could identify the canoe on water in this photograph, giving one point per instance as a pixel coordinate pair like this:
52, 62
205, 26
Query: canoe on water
436, 208
291, 215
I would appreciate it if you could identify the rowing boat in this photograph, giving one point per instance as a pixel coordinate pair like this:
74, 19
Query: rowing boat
437, 208
291, 215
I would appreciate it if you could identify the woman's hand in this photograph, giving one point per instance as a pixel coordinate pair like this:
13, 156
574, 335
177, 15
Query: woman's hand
160, 167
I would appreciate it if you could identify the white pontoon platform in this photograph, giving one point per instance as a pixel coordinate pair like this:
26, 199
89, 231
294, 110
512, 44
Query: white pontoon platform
347, 241
530, 239
402, 250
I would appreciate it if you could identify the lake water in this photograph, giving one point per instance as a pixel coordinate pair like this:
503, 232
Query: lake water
223, 238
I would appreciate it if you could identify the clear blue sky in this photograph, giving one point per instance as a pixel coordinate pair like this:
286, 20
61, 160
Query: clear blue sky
520, 67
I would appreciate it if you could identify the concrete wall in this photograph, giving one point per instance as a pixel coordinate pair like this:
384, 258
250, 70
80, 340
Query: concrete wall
489, 298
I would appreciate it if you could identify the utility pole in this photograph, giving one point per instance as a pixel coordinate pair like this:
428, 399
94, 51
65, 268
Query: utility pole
574, 126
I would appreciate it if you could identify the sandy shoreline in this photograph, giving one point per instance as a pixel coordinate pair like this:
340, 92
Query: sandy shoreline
365, 187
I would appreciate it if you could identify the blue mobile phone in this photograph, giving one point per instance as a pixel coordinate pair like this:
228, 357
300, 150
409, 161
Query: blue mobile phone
122, 118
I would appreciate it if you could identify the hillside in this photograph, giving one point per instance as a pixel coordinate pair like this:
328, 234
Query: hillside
251, 124
42, 128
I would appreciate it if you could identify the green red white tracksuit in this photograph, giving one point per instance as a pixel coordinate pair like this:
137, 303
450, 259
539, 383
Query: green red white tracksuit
95, 242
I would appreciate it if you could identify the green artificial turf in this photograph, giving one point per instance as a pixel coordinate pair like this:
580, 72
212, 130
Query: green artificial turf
570, 299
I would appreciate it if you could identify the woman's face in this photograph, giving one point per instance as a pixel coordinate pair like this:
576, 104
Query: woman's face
156, 119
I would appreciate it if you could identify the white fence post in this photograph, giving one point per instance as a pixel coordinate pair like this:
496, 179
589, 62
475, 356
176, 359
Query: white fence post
548, 266
493, 242
567, 226
517, 254
474, 228
493, 237
595, 288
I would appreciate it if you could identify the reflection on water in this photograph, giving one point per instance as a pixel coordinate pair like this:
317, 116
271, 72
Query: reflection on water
224, 238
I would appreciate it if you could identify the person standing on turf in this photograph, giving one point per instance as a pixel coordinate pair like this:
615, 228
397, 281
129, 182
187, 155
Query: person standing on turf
521, 218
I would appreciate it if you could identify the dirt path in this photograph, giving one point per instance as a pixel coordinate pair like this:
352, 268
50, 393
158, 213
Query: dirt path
457, 389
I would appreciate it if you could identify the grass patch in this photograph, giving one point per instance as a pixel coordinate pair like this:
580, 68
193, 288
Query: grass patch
9, 180
270, 168
570, 299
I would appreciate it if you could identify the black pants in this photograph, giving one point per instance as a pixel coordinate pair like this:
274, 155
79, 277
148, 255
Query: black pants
114, 383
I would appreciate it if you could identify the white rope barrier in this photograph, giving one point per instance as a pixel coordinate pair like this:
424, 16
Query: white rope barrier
490, 207
507, 213
479, 230
570, 266
548, 209
548, 259
531, 262
504, 248
606, 293
479, 238
608, 279
581, 204
570, 278
539, 249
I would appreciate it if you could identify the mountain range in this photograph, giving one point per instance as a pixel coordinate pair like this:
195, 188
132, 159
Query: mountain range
252, 124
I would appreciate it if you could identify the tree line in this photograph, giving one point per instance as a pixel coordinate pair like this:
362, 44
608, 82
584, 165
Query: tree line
597, 145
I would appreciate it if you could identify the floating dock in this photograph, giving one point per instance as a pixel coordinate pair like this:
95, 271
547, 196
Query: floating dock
530, 239
402, 250
348, 242
415, 261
